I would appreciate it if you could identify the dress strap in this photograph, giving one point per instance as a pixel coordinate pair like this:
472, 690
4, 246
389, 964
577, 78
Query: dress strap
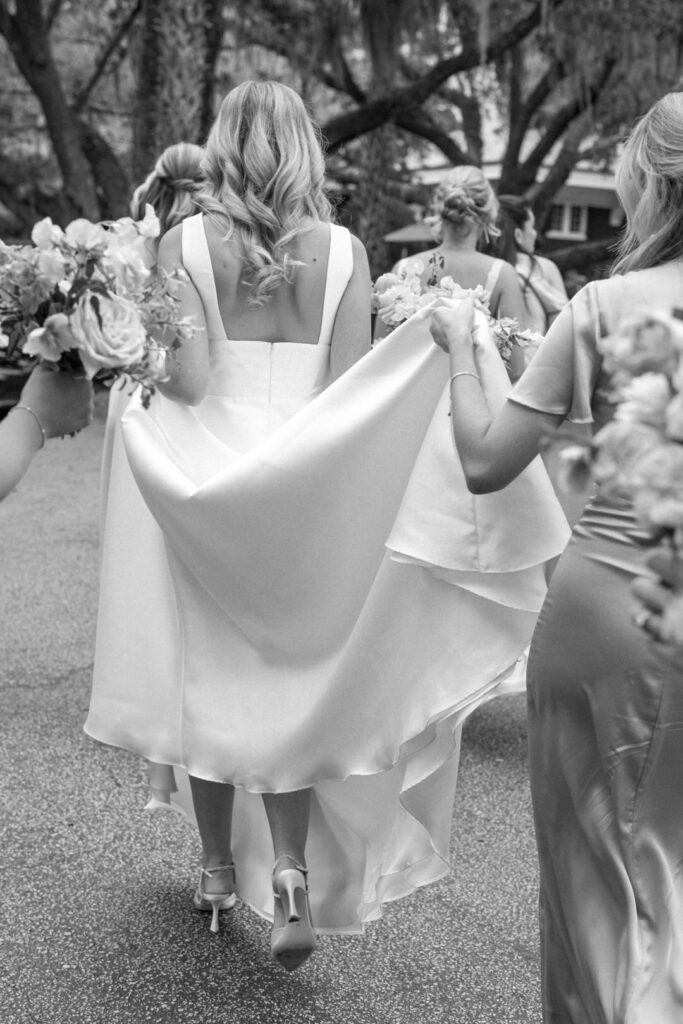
197, 261
493, 275
339, 271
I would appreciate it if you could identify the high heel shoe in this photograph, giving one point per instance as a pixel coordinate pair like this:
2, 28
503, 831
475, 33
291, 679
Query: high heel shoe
292, 939
215, 901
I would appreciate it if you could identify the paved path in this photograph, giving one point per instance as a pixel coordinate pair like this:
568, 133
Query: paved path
96, 924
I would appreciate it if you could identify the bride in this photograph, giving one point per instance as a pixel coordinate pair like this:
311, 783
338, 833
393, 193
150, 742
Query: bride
288, 603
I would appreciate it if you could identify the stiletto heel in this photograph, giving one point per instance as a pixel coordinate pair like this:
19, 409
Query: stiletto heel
292, 939
215, 901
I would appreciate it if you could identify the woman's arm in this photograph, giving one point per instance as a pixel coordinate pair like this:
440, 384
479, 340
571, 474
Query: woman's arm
493, 450
351, 332
510, 303
187, 367
52, 403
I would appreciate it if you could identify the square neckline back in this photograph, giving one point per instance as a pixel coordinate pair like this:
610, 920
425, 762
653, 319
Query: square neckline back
196, 256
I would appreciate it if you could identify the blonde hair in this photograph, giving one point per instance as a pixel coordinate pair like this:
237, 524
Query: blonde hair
172, 187
264, 170
649, 183
464, 198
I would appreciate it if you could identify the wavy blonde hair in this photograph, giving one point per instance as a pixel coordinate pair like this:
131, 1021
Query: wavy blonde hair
172, 187
649, 183
463, 198
264, 171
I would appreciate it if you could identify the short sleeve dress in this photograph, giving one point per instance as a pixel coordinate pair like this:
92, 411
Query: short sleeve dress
605, 723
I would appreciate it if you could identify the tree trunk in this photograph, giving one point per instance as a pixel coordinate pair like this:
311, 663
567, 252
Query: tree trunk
369, 208
27, 37
176, 61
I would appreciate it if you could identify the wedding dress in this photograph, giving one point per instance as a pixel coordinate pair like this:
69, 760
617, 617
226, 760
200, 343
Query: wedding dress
298, 591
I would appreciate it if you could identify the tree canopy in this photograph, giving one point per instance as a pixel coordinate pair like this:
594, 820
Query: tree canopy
92, 93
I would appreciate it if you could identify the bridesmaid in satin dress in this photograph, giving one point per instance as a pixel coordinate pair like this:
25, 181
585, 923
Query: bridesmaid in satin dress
605, 703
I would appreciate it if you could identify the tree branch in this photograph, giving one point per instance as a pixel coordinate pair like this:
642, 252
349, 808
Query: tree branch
352, 123
121, 32
519, 124
52, 13
348, 83
559, 124
417, 121
576, 257
542, 194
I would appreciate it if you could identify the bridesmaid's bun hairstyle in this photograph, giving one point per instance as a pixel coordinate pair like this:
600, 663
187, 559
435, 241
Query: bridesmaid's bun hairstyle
172, 187
649, 183
465, 198
265, 171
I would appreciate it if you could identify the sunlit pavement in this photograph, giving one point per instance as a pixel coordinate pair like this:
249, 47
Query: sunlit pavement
97, 924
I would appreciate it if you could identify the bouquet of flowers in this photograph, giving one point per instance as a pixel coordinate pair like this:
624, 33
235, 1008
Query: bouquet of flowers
86, 299
638, 455
396, 297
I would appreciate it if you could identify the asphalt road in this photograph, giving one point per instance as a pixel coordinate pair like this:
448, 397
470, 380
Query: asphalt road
95, 912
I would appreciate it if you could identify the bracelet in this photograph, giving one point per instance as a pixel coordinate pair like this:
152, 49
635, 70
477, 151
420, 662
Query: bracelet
27, 408
463, 373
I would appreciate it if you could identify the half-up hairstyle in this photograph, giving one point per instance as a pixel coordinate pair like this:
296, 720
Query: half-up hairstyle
465, 198
649, 182
264, 171
172, 187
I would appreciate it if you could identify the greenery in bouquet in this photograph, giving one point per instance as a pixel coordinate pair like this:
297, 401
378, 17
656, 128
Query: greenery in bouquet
396, 297
89, 299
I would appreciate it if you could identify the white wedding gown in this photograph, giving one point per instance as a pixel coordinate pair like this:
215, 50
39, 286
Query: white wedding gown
298, 591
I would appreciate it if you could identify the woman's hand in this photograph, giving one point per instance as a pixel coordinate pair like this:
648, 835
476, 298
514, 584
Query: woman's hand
452, 327
63, 403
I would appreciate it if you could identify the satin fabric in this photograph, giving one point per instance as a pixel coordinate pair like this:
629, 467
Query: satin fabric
255, 628
605, 722
606, 759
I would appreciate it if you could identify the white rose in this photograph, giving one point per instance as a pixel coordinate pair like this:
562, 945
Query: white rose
128, 268
645, 399
149, 226
644, 343
121, 232
51, 265
674, 418
386, 281
108, 332
46, 234
83, 234
51, 340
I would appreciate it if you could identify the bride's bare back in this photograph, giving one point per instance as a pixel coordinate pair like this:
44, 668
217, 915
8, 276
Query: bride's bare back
293, 311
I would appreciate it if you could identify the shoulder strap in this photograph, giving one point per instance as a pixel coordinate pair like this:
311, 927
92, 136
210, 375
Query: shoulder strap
197, 262
493, 274
339, 271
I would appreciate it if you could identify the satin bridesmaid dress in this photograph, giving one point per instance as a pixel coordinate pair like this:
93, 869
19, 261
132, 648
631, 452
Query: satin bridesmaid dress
605, 723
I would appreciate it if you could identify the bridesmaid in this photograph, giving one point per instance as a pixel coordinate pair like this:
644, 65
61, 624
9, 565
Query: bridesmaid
545, 295
465, 209
605, 705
